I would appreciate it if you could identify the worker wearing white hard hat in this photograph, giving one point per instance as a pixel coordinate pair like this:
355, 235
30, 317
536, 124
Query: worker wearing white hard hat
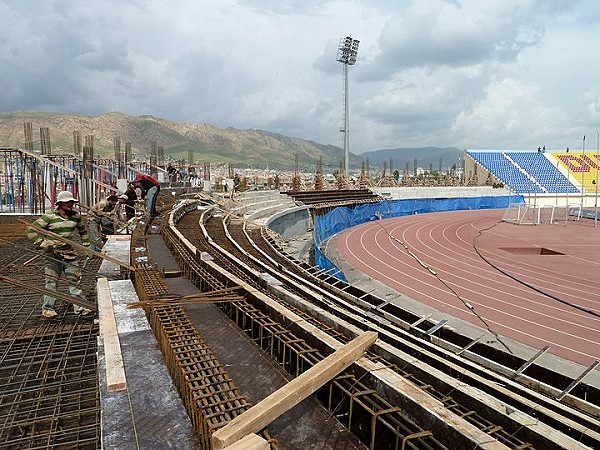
60, 256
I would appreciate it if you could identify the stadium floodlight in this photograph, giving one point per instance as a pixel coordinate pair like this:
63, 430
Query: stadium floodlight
583, 165
347, 53
596, 180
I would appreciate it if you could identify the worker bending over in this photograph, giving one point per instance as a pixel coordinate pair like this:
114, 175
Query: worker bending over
150, 187
101, 218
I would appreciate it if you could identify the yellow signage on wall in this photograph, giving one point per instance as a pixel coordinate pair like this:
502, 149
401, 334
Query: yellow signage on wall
582, 167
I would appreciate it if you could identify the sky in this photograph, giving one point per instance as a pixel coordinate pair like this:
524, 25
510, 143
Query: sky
471, 74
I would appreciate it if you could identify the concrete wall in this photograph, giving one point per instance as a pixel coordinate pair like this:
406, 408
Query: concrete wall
589, 199
291, 222
400, 193
297, 220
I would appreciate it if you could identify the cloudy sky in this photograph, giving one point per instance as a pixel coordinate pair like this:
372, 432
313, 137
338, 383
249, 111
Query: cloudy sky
463, 73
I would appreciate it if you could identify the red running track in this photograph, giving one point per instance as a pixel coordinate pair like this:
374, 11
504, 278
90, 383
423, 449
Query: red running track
446, 243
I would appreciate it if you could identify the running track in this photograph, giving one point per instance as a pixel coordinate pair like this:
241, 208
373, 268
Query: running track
446, 243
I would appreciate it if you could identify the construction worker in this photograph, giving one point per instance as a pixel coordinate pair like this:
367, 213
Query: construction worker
236, 185
121, 216
172, 171
101, 219
60, 256
120, 209
150, 187
131, 199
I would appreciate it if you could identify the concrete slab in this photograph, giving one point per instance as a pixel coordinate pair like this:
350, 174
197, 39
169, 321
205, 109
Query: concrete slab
117, 247
159, 253
149, 413
128, 320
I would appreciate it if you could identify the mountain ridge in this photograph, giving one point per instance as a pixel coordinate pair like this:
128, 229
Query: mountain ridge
209, 143
249, 147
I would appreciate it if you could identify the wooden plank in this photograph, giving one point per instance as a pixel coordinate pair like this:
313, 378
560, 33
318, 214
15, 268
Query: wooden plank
250, 442
115, 372
259, 416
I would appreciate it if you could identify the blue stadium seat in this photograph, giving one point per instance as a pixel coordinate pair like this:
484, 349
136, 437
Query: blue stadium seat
526, 172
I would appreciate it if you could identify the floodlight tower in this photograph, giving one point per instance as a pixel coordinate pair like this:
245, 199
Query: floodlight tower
347, 52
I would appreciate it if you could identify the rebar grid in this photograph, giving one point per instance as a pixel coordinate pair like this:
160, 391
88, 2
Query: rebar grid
497, 432
210, 396
274, 338
345, 396
49, 390
49, 395
152, 283
20, 308
364, 412
148, 280
19, 312
296, 356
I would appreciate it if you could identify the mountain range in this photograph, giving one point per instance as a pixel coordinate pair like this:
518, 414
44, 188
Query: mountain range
254, 148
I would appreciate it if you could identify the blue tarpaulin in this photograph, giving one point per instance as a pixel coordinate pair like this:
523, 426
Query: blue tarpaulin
344, 217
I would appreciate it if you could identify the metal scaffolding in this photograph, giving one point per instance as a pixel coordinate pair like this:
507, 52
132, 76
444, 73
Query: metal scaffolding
29, 182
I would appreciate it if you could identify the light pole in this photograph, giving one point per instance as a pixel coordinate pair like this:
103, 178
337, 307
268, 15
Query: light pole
596, 181
347, 52
569, 182
582, 178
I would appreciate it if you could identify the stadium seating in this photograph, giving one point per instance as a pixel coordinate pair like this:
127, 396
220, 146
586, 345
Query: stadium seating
526, 172
540, 168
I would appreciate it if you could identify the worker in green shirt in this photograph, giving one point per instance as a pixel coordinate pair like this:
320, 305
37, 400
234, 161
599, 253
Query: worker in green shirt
61, 258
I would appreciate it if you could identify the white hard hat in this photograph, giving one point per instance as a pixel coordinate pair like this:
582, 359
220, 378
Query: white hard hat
64, 197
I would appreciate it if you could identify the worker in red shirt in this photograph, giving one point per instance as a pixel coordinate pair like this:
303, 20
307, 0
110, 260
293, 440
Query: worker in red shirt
150, 188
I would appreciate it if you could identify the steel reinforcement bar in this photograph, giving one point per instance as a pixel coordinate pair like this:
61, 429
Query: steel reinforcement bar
206, 388
456, 402
506, 436
349, 398
49, 395
581, 395
361, 409
210, 396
